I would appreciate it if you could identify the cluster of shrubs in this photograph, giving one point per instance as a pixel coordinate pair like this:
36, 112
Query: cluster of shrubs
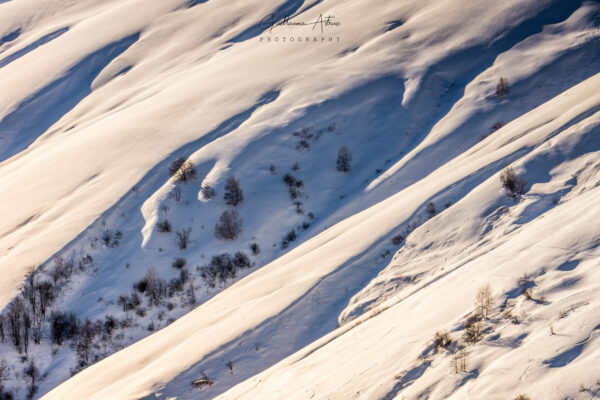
294, 185
157, 290
473, 330
288, 238
223, 267
307, 135
111, 239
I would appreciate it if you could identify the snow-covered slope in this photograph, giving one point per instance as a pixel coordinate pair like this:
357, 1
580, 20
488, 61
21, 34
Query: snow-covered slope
98, 99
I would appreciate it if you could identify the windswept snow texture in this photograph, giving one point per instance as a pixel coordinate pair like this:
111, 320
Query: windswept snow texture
340, 279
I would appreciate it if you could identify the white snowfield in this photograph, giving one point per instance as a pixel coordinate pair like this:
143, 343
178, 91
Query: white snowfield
97, 99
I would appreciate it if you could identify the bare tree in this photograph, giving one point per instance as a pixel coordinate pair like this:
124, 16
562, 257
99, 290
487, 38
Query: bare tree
4, 374
460, 361
26, 318
37, 325
234, 194
29, 291
156, 286
484, 301
344, 159
13, 317
229, 226
45, 291
2, 335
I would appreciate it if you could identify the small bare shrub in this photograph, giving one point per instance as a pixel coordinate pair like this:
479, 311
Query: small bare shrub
497, 125
176, 165
182, 238
254, 248
397, 240
503, 88
473, 329
229, 364
442, 340
512, 183
208, 192
179, 263
344, 160
176, 194
430, 208
288, 238
164, 226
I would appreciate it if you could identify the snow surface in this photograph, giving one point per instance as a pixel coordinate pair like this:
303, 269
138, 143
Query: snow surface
98, 98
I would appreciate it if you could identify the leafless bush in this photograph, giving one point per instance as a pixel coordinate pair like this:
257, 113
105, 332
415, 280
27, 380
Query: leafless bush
229, 364
503, 88
512, 183
497, 125
179, 263
221, 266
397, 240
442, 340
254, 248
182, 238
241, 260
176, 194
288, 238
430, 208
176, 165
473, 329
156, 287
525, 284
208, 192
164, 226
344, 160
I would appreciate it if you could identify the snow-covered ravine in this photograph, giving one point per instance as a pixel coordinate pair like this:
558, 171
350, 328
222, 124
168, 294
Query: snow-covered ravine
370, 214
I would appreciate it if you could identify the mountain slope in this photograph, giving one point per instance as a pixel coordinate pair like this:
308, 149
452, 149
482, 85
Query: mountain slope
91, 119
